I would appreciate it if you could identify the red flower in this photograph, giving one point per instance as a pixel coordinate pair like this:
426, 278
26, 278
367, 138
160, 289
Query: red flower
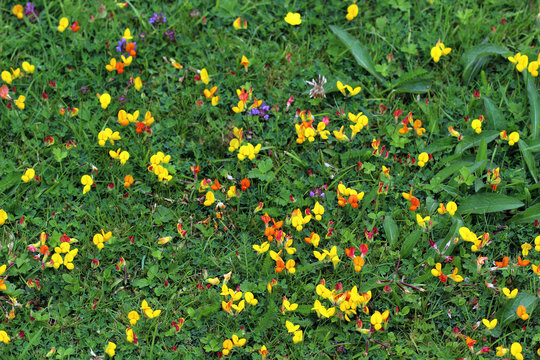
75, 27
245, 183
476, 94
44, 95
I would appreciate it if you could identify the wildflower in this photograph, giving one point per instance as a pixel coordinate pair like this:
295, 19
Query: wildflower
313, 239
29, 69
476, 124
525, 249
415, 203
512, 138
510, 294
352, 91
148, 311
105, 100
110, 349
377, 319
227, 347
264, 247
237, 24
99, 239
157, 19
339, 134
423, 158
122, 156
18, 12
522, 262
75, 27
536, 269
454, 132
6, 77
520, 60
522, 312
87, 181
164, 240
4, 337
244, 62
318, 210
20, 102
3, 216
204, 76
437, 272
422, 220
293, 19
263, 350
439, 50
239, 108
210, 198
502, 264
352, 12
516, 350
250, 299
533, 68
238, 342
128, 180
28, 175
127, 35
133, 317
501, 351
537, 243
130, 336
63, 24
318, 87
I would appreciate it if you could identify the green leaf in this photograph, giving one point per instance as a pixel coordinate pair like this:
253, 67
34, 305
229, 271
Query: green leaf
474, 57
474, 140
528, 156
481, 156
534, 103
509, 312
409, 243
358, 50
391, 230
421, 85
448, 171
527, 216
494, 117
488, 203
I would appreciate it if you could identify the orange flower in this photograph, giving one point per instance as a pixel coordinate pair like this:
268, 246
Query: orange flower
522, 312
245, 184
404, 129
140, 127
502, 264
130, 48
195, 169
216, 185
470, 342
128, 180
120, 67
353, 200
266, 219
523, 262
44, 249
341, 201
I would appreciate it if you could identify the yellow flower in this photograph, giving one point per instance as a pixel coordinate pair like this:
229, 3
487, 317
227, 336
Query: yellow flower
127, 61
501, 351
3, 217
293, 19
28, 175
533, 68
451, 207
6, 77
298, 336
112, 65
239, 108
287, 306
537, 243
18, 11
339, 134
227, 347
127, 34
477, 126
250, 298
29, 69
204, 76
20, 102
437, 271
262, 248
436, 53
422, 221
516, 350
489, 324
525, 249
352, 12
63, 24
513, 138
164, 240
238, 342
522, 63
263, 351
318, 210
341, 87
105, 100
291, 327
110, 349
244, 62
133, 317
213, 281
210, 198
137, 83
148, 311
377, 319
215, 100
4, 337
522, 312
423, 158
87, 181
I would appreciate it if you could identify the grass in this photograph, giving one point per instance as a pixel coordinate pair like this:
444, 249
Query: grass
385, 50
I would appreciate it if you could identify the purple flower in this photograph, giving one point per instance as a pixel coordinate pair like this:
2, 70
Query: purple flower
30, 11
169, 35
121, 45
157, 19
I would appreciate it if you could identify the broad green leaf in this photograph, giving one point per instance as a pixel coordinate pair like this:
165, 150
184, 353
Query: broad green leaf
527, 216
474, 57
488, 203
448, 171
414, 86
528, 156
494, 117
481, 156
358, 50
391, 230
509, 312
410, 242
474, 140
534, 103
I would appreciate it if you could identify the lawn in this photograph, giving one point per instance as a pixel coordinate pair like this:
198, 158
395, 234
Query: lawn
270, 180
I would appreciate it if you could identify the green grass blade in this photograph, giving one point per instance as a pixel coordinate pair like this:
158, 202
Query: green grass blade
488, 203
